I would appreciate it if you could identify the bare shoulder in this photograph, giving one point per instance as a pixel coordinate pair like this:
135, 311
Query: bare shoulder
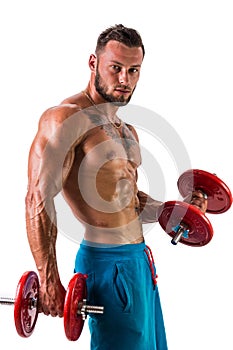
61, 128
77, 99
55, 116
65, 121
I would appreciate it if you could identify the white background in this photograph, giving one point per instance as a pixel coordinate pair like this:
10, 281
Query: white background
186, 78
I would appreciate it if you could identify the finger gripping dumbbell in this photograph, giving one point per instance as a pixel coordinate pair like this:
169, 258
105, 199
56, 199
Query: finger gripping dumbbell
186, 223
26, 301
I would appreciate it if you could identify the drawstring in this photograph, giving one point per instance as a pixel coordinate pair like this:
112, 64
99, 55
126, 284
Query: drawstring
152, 264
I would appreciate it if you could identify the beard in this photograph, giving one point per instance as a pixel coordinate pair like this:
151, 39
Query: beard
102, 90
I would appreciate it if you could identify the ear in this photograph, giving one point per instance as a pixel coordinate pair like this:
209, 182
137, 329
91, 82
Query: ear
92, 62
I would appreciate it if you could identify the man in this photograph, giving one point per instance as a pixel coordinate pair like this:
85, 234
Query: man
83, 149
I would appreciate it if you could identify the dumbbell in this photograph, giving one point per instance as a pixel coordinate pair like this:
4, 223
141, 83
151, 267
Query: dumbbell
76, 308
26, 305
184, 222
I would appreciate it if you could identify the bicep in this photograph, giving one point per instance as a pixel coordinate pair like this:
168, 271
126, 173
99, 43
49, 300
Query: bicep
60, 131
43, 171
46, 158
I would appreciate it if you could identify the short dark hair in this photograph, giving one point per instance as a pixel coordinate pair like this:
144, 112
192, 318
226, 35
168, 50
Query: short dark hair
127, 36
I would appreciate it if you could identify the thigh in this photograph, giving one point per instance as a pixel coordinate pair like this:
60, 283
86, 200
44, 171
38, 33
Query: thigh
132, 316
125, 290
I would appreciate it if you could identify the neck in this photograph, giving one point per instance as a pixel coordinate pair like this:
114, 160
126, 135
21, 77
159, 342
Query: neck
108, 109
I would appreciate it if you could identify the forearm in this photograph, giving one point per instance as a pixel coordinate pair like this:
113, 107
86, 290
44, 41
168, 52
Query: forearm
150, 208
42, 235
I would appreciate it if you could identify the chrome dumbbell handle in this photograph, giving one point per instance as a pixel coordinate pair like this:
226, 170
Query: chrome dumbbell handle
84, 309
181, 230
7, 301
11, 301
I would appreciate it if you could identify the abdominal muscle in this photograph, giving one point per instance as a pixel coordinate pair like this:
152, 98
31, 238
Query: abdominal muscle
106, 201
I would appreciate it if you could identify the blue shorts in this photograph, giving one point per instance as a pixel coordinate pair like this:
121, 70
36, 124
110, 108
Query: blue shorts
120, 279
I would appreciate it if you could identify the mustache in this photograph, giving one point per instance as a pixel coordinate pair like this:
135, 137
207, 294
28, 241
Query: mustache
123, 87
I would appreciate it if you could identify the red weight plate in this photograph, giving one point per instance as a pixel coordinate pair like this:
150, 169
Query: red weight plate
25, 314
219, 195
200, 229
76, 293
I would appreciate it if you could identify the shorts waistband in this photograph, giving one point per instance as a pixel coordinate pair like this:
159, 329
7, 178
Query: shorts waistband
124, 250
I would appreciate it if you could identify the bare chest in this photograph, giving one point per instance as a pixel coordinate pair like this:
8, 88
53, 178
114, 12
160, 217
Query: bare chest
108, 145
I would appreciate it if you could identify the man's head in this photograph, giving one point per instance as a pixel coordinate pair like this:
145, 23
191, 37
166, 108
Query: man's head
127, 36
116, 64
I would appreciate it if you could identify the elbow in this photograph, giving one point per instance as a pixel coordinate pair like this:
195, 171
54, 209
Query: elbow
35, 203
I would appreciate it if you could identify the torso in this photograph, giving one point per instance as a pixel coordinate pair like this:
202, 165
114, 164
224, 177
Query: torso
101, 184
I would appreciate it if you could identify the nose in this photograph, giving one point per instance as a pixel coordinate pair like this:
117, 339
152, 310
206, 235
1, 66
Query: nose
123, 77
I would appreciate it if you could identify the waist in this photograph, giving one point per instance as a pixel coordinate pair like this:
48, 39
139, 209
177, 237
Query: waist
130, 233
95, 250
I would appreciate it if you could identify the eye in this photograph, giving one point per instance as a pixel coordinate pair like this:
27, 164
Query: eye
116, 68
133, 70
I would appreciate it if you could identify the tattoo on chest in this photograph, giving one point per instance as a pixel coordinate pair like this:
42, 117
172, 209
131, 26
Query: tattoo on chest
122, 136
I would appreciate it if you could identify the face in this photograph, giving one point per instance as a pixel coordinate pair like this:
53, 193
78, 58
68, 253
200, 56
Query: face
117, 72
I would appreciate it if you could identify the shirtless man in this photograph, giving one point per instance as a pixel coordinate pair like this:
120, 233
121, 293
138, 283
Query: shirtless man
85, 151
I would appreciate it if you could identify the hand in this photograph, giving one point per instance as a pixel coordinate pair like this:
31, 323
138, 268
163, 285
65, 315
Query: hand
51, 299
198, 199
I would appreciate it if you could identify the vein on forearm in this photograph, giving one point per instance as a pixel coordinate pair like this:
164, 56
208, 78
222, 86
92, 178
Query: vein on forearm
42, 231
